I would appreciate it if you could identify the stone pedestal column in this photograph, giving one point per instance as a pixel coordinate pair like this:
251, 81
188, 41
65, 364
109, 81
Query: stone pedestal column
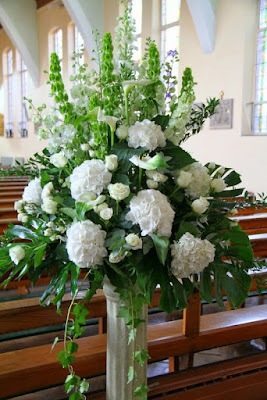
119, 353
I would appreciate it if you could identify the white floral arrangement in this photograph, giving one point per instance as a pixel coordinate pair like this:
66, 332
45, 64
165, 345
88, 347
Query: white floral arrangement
114, 194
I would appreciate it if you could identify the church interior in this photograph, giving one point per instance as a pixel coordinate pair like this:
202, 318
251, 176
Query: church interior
204, 350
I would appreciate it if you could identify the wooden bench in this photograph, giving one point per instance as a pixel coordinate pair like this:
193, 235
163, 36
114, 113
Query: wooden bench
164, 340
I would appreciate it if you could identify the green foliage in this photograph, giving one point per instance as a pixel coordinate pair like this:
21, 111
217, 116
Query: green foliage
162, 245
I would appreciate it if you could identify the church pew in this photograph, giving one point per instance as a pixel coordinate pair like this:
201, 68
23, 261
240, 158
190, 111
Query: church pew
164, 340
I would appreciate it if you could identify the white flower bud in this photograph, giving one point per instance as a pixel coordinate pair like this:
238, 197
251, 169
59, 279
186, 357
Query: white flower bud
85, 147
50, 224
233, 224
184, 179
101, 207
48, 232
200, 205
49, 206
54, 237
122, 132
221, 171
156, 176
116, 259
22, 217
61, 229
92, 142
152, 184
47, 190
118, 191
91, 153
58, 160
106, 213
234, 211
134, 241
211, 166
17, 253
18, 205
218, 185
111, 162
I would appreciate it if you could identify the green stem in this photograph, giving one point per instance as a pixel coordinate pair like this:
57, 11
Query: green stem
117, 207
112, 137
140, 175
127, 110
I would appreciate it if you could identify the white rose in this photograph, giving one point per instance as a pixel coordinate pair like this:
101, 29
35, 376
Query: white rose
58, 160
200, 205
17, 253
134, 241
116, 259
18, 205
152, 184
48, 232
85, 147
90, 176
100, 207
111, 162
32, 192
146, 134
118, 191
47, 190
218, 185
151, 210
156, 176
184, 179
85, 244
106, 213
49, 206
22, 217
122, 132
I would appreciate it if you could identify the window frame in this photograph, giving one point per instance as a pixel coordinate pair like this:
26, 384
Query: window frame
9, 125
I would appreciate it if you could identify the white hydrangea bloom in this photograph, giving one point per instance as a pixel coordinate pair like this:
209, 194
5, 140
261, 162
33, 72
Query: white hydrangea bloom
184, 178
85, 244
200, 181
190, 255
146, 134
33, 192
152, 211
90, 176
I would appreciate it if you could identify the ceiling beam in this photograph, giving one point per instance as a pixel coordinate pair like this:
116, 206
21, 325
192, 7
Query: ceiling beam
204, 17
19, 21
87, 16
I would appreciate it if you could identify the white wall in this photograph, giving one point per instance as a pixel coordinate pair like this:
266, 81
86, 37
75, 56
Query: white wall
229, 68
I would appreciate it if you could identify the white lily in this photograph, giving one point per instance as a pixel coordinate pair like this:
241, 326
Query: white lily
111, 121
129, 85
149, 163
91, 199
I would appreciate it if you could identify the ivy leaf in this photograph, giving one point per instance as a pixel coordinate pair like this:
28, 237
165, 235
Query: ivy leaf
72, 347
38, 258
141, 356
125, 313
132, 335
64, 360
84, 386
71, 382
76, 396
141, 391
131, 374
162, 245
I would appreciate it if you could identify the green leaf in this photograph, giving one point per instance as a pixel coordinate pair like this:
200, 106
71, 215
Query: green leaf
70, 212
232, 179
162, 245
238, 237
64, 360
162, 120
22, 232
131, 374
141, 391
124, 153
132, 335
180, 293
71, 382
121, 178
180, 158
76, 396
156, 162
38, 258
205, 285
185, 227
84, 386
125, 313
72, 347
229, 193
141, 356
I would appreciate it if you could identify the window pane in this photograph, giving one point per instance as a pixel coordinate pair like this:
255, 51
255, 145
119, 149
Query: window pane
137, 14
10, 62
138, 52
263, 14
169, 40
170, 11
78, 46
260, 119
58, 45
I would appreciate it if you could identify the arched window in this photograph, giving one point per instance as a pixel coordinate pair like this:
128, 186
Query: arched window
170, 26
23, 78
260, 96
58, 45
9, 126
137, 12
